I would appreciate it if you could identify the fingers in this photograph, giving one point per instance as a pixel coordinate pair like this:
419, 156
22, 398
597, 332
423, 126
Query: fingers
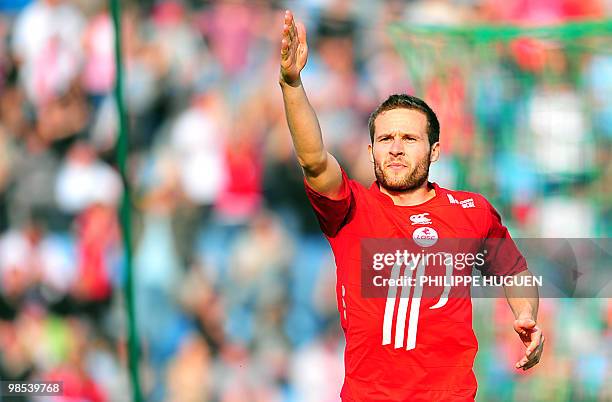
531, 363
290, 35
289, 28
536, 338
288, 17
528, 361
521, 362
301, 33
534, 358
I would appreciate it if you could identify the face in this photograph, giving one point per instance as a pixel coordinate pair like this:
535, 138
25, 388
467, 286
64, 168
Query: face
400, 151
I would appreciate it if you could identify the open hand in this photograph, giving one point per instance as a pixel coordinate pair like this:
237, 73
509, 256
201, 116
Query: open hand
533, 339
294, 50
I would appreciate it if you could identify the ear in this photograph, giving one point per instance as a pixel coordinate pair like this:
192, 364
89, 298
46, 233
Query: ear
434, 152
371, 153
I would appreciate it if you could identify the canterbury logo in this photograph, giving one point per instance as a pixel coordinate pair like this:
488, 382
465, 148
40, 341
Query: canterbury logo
402, 311
420, 219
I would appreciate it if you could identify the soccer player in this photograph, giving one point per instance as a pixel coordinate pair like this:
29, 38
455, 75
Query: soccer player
411, 350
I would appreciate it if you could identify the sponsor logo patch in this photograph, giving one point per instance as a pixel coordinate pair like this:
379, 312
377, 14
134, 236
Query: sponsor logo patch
467, 203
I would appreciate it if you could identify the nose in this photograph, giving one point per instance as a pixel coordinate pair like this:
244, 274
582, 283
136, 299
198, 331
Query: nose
397, 148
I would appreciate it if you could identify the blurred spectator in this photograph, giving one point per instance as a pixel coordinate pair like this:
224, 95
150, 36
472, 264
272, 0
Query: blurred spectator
228, 26
99, 68
83, 180
47, 44
197, 139
318, 370
189, 373
561, 144
598, 76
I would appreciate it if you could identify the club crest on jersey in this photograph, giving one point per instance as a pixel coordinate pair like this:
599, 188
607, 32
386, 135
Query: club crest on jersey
420, 219
467, 203
425, 236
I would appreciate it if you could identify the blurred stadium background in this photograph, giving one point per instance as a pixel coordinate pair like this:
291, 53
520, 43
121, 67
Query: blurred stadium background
234, 283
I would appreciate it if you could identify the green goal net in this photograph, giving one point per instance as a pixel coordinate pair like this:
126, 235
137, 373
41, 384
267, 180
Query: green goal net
525, 112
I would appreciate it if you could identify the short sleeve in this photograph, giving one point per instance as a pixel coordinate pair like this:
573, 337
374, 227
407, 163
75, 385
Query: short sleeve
502, 256
331, 213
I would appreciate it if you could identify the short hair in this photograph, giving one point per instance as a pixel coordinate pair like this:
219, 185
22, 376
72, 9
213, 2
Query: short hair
403, 101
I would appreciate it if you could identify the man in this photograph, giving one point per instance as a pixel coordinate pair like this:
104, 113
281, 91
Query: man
430, 358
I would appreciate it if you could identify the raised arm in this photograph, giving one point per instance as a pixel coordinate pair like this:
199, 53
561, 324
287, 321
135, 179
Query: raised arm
321, 169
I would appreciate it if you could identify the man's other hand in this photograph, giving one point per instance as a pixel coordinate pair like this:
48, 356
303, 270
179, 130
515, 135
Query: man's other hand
532, 337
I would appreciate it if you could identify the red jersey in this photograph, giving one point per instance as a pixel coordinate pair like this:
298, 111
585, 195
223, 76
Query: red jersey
404, 347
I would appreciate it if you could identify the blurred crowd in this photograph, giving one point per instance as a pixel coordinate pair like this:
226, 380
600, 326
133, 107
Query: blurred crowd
234, 283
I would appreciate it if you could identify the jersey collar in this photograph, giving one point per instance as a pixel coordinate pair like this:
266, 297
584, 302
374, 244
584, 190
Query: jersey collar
385, 199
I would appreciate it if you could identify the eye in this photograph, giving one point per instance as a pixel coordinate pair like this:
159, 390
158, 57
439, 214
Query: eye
385, 139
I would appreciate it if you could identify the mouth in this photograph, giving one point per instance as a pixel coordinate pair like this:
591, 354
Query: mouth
396, 166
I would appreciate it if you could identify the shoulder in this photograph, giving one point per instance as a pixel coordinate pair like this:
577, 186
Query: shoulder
357, 187
473, 207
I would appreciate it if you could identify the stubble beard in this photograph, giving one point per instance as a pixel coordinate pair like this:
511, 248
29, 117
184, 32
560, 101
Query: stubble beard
406, 182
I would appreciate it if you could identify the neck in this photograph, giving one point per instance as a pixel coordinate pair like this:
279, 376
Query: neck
412, 197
